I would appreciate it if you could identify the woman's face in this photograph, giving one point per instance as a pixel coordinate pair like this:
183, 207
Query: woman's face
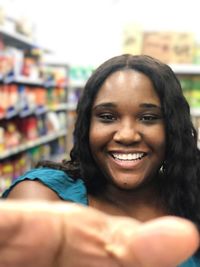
127, 131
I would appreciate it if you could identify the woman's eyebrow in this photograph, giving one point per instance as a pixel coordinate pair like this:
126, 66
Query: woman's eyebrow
149, 105
113, 105
104, 105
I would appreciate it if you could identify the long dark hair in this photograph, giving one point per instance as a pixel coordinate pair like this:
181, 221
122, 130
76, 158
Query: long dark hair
179, 182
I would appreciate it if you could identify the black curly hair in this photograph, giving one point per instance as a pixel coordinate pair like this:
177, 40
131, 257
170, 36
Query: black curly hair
180, 180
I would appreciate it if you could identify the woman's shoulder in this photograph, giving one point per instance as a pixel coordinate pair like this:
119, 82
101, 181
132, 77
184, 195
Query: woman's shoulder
59, 181
192, 262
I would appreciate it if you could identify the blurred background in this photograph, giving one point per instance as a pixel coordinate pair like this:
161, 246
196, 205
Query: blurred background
90, 31
48, 49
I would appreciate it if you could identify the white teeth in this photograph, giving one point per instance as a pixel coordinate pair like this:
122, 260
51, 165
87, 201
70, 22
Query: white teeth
130, 156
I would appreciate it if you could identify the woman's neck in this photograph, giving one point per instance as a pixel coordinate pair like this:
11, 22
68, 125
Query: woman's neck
143, 204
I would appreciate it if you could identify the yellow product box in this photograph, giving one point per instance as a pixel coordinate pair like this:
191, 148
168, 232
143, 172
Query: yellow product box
158, 45
183, 48
132, 39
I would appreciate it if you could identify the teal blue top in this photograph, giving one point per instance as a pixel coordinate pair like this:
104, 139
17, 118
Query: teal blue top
58, 181
70, 190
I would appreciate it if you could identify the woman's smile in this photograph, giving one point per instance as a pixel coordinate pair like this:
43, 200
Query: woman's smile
127, 160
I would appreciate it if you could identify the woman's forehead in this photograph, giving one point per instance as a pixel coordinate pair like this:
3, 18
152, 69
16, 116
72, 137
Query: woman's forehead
129, 83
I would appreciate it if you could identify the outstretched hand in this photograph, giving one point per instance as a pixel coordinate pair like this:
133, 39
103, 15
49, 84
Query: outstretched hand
49, 234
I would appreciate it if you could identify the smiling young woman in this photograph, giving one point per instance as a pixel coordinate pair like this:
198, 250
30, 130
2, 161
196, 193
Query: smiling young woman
135, 155
126, 117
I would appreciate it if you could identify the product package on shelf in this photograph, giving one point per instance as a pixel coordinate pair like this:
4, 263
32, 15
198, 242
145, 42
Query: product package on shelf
16, 64
11, 62
78, 75
132, 38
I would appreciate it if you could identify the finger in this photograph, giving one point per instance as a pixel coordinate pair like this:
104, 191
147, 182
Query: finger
164, 242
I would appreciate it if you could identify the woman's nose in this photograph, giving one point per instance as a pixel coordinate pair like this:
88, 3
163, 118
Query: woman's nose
127, 133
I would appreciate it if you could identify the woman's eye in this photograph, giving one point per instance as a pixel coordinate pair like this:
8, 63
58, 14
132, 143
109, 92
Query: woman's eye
149, 118
107, 117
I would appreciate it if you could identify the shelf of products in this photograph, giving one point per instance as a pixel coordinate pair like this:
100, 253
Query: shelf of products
21, 79
32, 143
16, 164
33, 109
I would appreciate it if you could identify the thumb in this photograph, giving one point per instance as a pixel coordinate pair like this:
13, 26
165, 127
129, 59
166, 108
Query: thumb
164, 242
